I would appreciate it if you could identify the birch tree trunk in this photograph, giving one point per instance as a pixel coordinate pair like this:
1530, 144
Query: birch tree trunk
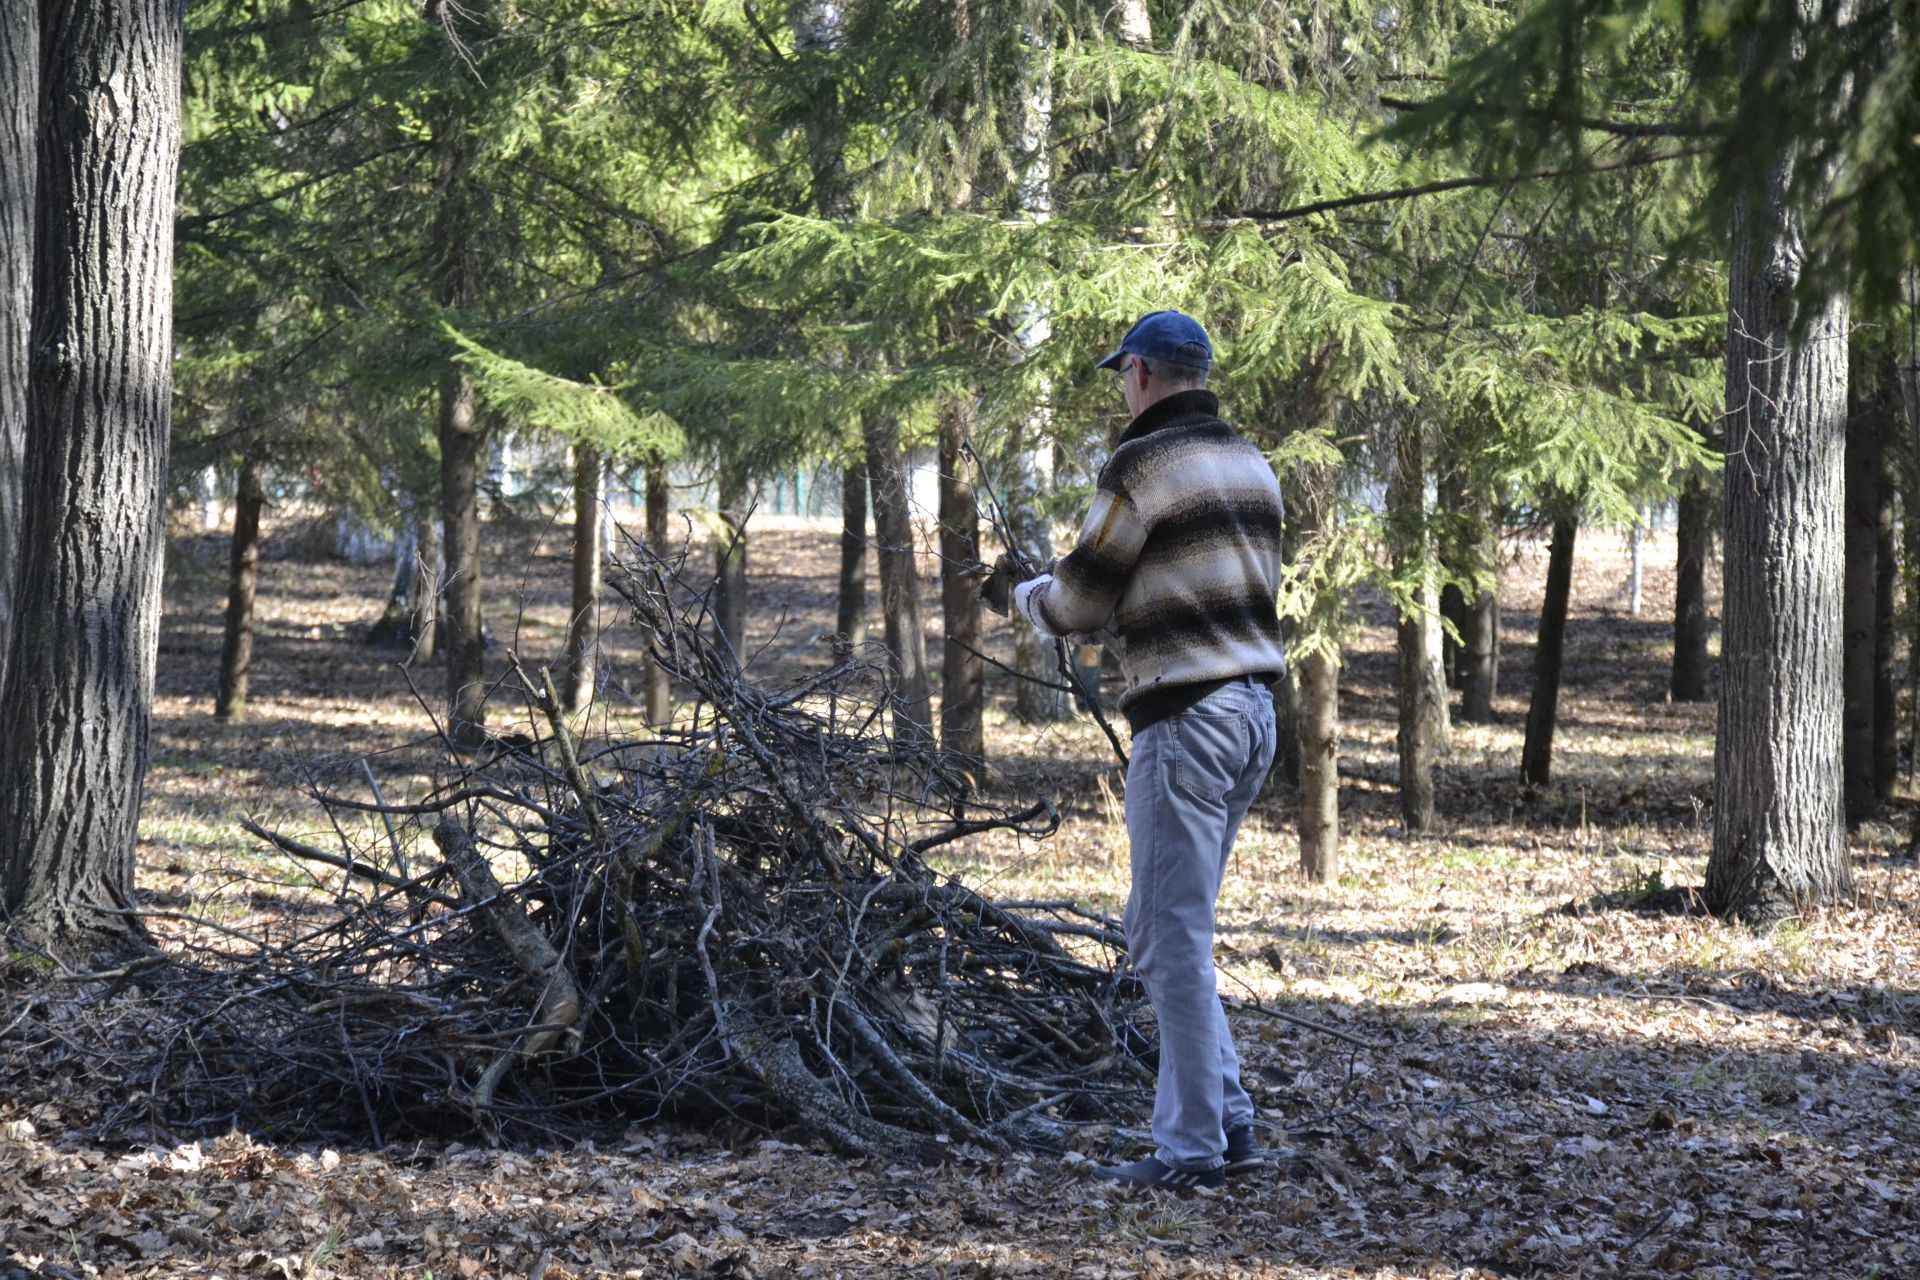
1779, 842
243, 576
1543, 709
19, 104
583, 623
77, 703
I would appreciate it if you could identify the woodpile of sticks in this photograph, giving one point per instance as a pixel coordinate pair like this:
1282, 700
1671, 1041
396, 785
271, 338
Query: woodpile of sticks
731, 917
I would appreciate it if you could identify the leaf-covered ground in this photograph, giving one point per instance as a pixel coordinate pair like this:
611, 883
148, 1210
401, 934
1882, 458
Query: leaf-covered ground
1569, 1072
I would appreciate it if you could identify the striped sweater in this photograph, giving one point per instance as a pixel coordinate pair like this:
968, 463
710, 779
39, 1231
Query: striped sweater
1179, 557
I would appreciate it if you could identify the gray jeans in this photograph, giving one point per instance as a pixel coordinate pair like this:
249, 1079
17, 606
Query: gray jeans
1191, 780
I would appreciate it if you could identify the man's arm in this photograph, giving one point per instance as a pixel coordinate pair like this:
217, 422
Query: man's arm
1079, 596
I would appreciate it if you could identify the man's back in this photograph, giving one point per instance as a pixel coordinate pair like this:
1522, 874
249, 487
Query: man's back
1180, 556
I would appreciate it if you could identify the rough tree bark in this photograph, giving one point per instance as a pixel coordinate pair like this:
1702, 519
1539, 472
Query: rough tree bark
460, 462
1320, 767
19, 101
460, 442
1543, 710
1420, 692
77, 703
656, 683
1865, 479
243, 576
1695, 545
852, 622
899, 580
583, 624
1779, 840
730, 561
1319, 684
962, 675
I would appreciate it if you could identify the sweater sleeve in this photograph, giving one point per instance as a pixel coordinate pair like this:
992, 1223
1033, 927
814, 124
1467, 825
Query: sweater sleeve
1079, 597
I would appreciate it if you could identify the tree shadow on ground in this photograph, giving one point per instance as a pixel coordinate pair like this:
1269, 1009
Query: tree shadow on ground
1478, 1132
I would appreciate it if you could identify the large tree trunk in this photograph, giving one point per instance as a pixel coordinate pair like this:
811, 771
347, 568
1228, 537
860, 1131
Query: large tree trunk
1864, 481
730, 563
583, 624
1543, 711
460, 461
657, 684
460, 511
1695, 544
962, 674
19, 102
1779, 842
1421, 699
852, 622
899, 581
78, 697
243, 575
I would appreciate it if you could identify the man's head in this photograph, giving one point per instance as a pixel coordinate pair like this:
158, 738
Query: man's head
1165, 352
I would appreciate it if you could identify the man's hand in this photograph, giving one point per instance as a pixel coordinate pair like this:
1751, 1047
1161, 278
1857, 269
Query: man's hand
996, 586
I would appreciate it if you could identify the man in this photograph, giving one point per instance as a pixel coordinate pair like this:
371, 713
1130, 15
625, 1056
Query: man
1180, 558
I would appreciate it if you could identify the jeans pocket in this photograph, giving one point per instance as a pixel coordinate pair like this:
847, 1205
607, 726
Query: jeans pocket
1212, 751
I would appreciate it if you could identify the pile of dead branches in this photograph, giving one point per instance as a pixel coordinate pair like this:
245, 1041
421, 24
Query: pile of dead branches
732, 916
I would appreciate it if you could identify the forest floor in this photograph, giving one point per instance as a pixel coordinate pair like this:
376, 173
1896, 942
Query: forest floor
1573, 1071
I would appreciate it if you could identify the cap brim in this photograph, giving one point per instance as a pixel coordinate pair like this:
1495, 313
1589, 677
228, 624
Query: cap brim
1112, 361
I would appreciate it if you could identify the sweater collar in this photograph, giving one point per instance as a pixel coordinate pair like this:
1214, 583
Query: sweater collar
1198, 403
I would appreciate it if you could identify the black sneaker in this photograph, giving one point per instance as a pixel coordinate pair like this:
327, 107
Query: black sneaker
1243, 1153
1151, 1172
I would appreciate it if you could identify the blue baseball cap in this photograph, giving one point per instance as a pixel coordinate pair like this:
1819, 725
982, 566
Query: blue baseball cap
1165, 335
